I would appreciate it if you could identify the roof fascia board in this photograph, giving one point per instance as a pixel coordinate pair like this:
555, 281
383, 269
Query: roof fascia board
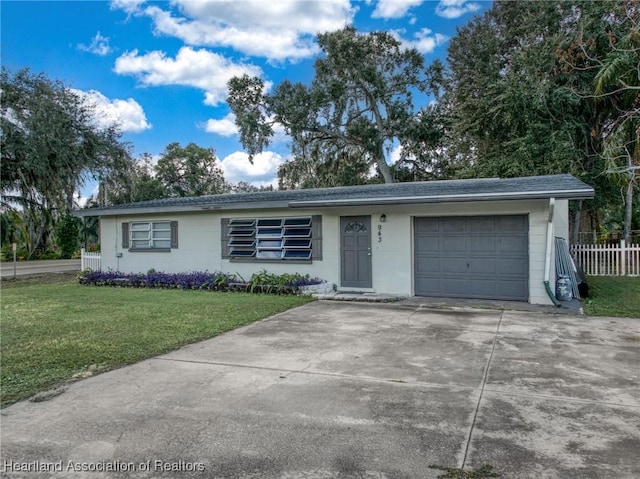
581, 194
534, 195
200, 208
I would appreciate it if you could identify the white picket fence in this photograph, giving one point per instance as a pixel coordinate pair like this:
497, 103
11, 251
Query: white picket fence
608, 259
91, 261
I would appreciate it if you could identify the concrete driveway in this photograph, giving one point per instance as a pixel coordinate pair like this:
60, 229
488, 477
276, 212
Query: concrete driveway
334, 390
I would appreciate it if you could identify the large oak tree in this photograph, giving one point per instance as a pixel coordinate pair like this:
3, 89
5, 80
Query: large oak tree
50, 145
358, 106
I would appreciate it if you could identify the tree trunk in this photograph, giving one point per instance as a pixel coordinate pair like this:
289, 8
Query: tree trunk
575, 233
383, 167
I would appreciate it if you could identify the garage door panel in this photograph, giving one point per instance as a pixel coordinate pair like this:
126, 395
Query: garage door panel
428, 265
513, 288
512, 244
481, 267
452, 225
511, 267
511, 223
454, 265
481, 289
482, 244
480, 224
427, 244
455, 287
430, 286
472, 257
429, 225
453, 244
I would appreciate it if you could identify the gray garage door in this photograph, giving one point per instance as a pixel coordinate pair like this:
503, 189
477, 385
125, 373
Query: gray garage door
472, 257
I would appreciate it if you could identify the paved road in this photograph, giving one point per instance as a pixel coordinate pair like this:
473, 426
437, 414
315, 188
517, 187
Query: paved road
346, 390
38, 267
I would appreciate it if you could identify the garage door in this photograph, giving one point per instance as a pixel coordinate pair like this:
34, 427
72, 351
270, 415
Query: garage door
472, 257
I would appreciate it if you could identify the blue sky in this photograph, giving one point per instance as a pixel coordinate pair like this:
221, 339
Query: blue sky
160, 68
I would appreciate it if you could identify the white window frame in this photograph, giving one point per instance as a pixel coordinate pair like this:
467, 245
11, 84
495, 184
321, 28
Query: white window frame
153, 239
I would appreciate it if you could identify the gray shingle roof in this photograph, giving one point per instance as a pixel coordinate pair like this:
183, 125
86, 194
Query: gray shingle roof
445, 191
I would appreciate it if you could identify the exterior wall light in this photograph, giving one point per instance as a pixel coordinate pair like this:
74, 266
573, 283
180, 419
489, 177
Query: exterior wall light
383, 218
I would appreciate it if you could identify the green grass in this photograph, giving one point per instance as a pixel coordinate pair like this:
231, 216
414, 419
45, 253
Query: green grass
55, 333
613, 296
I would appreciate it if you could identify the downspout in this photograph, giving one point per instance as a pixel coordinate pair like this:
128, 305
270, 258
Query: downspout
547, 257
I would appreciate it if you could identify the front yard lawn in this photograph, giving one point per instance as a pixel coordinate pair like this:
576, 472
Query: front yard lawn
613, 296
55, 333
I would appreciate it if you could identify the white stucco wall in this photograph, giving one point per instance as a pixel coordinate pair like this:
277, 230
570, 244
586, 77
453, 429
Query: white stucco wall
392, 255
198, 245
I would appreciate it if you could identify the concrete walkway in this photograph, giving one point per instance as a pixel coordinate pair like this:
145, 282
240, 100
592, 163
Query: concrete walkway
341, 390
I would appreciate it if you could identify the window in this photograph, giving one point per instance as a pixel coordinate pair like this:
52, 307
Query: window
150, 235
272, 239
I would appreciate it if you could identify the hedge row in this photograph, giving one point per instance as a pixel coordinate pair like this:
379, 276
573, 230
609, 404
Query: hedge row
262, 282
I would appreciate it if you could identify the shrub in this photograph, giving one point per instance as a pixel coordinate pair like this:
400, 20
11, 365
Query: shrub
262, 282
67, 232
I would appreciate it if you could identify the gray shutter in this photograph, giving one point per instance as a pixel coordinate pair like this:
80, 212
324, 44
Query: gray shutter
125, 235
316, 237
174, 234
224, 238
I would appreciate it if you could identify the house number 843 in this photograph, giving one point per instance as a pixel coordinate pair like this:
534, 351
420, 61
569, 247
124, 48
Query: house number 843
379, 233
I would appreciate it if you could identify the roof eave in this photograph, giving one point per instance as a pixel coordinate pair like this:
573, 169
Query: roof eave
197, 208
573, 195
582, 194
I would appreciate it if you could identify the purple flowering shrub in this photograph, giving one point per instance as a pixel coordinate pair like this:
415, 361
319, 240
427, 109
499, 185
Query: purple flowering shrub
203, 280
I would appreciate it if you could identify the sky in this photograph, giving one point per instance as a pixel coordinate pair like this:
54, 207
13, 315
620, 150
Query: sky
160, 69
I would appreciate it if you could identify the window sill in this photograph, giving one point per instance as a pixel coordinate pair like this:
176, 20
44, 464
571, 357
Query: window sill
270, 260
149, 250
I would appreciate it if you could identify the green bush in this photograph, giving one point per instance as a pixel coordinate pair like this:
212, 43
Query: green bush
67, 232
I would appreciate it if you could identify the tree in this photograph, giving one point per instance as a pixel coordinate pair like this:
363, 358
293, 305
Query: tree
135, 181
323, 165
67, 231
511, 113
519, 93
190, 171
245, 187
359, 102
617, 83
426, 147
50, 145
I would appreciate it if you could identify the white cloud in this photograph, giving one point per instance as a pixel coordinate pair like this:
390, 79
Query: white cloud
129, 6
225, 127
262, 172
197, 68
278, 31
425, 41
127, 114
394, 8
394, 156
81, 198
99, 46
455, 8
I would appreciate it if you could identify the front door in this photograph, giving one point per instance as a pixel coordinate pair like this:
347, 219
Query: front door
355, 251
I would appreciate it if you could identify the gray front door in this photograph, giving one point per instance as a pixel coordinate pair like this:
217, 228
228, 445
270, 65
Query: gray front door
472, 257
355, 251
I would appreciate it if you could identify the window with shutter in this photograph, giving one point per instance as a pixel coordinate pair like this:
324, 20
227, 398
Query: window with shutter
272, 239
150, 235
